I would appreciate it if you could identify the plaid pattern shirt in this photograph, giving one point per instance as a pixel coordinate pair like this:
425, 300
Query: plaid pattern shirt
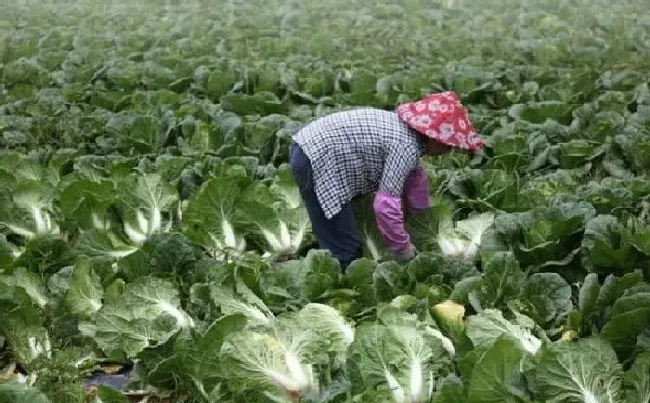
358, 152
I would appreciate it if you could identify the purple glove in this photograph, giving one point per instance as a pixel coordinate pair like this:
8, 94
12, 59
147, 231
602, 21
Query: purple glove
390, 221
416, 190
389, 213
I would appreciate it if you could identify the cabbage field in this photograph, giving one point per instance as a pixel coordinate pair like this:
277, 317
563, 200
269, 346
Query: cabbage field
154, 247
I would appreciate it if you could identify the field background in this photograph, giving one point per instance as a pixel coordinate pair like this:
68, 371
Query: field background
148, 220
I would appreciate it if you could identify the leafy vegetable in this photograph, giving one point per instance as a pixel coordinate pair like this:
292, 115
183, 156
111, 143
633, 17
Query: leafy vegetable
151, 230
582, 371
464, 240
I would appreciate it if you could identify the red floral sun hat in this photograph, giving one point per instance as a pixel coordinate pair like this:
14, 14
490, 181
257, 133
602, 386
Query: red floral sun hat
443, 118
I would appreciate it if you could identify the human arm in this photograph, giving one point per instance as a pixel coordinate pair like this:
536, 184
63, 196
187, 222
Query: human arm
416, 190
388, 206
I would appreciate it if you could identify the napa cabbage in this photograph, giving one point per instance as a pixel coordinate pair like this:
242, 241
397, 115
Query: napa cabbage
463, 239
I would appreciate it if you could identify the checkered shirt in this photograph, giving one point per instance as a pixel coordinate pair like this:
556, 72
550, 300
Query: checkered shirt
358, 152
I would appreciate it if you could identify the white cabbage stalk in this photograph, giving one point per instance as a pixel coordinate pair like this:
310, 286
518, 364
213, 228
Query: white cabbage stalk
39, 347
373, 249
98, 223
229, 241
418, 353
16, 251
282, 239
179, 210
261, 359
146, 226
590, 397
295, 341
229, 237
416, 387
416, 380
182, 319
9, 372
464, 240
529, 342
399, 396
136, 236
20, 378
284, 382
120, 253
43, 223
42, 220
451, 246
299, 373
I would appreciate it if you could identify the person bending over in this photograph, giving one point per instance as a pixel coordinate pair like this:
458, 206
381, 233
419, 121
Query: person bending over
341, 156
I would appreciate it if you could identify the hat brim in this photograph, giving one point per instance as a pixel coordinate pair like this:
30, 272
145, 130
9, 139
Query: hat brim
479, 146
443, 118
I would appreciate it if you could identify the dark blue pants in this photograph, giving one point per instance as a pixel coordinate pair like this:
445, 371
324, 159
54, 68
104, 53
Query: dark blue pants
339, 235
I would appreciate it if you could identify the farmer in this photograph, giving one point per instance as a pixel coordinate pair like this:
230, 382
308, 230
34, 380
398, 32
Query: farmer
348, 154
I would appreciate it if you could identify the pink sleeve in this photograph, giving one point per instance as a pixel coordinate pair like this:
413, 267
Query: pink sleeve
417, 190
390, 221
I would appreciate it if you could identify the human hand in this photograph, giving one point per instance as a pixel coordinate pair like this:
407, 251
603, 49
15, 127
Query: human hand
405, 254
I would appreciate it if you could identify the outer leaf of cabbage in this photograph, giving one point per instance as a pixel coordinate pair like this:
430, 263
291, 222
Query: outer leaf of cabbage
148, 312
583, 371
497, 377
486, 327
241, 300
84, 297
451, 391
328, 325
636, 381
